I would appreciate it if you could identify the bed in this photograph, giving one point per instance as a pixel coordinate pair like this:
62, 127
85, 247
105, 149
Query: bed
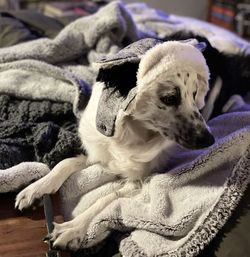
44, 73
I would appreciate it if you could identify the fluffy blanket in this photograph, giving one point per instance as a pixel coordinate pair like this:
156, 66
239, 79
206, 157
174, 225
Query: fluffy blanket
182, 208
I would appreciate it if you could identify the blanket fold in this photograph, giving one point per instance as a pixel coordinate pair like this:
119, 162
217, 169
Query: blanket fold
42, 81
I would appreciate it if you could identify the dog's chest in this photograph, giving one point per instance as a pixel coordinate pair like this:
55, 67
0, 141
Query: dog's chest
133, 161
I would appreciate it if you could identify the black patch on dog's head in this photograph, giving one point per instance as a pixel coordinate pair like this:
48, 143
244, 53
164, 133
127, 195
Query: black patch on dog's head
120, 77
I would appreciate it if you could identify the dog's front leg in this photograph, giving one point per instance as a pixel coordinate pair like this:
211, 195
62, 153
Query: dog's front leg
51, 182
71, 234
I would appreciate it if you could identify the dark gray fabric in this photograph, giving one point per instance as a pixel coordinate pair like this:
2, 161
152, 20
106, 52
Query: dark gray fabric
25, 25
108, 248
36, 131
109, 105
233, 239
38, 23
13, 31
131, 53
112, 101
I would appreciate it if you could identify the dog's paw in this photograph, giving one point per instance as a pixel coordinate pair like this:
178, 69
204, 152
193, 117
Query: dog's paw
28, 195
68, 236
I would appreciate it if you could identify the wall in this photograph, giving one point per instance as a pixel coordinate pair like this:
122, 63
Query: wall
194, 8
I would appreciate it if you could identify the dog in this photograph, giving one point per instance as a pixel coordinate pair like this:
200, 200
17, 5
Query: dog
150, 103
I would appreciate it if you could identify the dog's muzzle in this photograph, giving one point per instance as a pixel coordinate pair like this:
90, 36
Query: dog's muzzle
205, 139
197, 139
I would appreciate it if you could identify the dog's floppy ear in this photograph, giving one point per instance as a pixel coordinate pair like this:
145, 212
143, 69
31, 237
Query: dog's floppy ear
118, 92
118, 73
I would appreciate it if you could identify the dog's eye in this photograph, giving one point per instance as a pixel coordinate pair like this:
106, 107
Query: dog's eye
170, 100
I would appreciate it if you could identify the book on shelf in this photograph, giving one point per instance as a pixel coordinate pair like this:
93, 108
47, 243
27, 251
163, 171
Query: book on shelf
223, 12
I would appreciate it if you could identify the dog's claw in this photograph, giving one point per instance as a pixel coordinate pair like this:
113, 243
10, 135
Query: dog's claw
68, 235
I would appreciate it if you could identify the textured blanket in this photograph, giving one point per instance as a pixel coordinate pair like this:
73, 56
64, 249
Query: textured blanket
182, 208
41, 131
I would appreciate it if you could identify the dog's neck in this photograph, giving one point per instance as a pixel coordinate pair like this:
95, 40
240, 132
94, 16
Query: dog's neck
144, 145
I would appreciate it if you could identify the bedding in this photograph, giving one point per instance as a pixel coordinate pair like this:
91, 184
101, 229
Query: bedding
44, 84
22, 26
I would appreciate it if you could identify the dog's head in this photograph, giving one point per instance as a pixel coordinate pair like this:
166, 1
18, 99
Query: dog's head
171, 84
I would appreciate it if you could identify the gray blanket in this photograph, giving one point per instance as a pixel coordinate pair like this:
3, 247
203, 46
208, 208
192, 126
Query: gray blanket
178, 211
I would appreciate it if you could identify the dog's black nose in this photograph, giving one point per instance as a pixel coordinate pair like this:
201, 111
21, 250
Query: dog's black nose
205, 139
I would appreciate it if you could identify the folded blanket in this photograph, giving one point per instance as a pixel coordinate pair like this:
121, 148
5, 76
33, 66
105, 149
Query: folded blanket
179, 210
